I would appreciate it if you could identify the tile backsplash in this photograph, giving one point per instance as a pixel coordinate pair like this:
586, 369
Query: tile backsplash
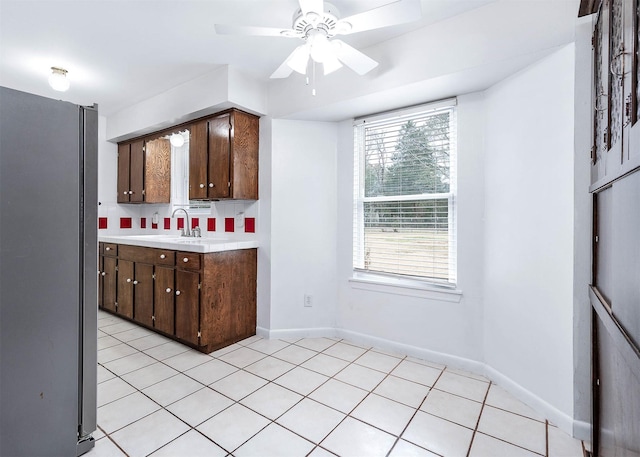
222, 219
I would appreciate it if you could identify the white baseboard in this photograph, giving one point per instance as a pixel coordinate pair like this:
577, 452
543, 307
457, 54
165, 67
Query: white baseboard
579, 429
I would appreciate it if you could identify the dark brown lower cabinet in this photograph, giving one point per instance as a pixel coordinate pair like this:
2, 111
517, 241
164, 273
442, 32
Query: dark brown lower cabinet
188, 306
109, 283
124, 303
163, 300
207, 301
143, 293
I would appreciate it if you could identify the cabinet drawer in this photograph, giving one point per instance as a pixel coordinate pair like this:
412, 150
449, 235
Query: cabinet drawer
110, 249
164, 257
188, 260
151, 256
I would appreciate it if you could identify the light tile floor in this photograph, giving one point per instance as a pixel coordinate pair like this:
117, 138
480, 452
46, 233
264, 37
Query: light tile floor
309, 397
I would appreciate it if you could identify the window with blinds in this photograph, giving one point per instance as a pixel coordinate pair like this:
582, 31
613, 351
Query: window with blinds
404, 193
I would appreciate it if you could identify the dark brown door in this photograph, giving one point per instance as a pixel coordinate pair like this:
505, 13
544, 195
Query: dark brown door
164, 300
187, 305
143, 294
101, 276
198, 158
125, 288
124, 158
109, 283
219, 150
136, 172
157, 171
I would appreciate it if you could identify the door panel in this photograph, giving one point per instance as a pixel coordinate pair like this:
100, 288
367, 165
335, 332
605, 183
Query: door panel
219, 150
198, 158
157, 169
124, 158
109, 283
143, 294
136, 172
164, 300
187, 305
125, 288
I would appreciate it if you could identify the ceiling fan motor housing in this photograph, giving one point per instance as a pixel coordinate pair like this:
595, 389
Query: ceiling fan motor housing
327, 22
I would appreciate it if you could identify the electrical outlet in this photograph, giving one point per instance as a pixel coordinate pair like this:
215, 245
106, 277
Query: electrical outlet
308, 300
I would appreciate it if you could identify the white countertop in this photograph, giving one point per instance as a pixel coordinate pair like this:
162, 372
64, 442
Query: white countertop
179, 243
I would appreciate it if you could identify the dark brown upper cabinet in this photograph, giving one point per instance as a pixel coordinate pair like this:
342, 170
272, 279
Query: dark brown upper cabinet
144, 171
223, 157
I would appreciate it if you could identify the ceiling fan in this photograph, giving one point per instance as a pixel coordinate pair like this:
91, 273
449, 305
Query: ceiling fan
316, 22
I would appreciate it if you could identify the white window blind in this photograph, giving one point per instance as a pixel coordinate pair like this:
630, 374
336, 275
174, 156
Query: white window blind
404, 193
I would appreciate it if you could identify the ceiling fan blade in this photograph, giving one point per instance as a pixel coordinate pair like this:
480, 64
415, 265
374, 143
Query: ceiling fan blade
224, 29
352, 58
312, 6
398, 12
283, 71
297, 61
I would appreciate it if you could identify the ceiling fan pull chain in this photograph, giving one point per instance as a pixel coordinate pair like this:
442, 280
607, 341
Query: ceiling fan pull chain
313, 87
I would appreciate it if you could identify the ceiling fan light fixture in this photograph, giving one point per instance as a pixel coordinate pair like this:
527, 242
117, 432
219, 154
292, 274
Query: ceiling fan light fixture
58, 79
331, 64
342, 28
320, 46
299, 59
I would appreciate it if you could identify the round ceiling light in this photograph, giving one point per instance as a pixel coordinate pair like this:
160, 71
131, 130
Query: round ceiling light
58, 79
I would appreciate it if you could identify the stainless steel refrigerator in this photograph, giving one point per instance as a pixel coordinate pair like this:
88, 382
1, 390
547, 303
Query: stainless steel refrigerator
48, 279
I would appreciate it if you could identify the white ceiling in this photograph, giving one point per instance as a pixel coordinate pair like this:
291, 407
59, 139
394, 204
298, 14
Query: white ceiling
120, 52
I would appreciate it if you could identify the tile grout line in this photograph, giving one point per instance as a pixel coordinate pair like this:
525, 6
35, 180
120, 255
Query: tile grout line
475, 429
414, 415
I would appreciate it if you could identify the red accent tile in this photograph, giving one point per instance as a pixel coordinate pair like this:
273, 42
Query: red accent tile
125, 222
143, 222
102, 222
211, 224
229, 224
180, 223
195, 222
167, 223
154, 226
250, 224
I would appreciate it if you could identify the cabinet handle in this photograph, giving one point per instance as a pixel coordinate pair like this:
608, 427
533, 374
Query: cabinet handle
103, 273
125, 192
135, 282
177, 292
185, 260
168, 290
201, 186
162, 256
128, 279
130, 192
107, 249
212, 184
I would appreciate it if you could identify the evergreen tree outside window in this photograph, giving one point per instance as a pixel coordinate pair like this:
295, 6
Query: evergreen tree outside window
404, 193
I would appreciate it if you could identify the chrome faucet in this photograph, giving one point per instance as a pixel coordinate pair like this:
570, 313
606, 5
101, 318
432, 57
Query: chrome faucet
185, 229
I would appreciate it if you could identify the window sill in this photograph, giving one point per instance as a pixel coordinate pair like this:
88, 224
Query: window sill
407, 287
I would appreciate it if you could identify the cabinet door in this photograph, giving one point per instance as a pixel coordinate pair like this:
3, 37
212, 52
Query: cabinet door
163, 300
124, 158
109, 283
244, 156
187, 305
157, 171
143, 294
125, 288
101, 276
136, 172
198, 151
219, 149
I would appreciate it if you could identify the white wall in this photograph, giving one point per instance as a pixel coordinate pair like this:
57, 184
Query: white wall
528, 269
426, 325
303, 227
